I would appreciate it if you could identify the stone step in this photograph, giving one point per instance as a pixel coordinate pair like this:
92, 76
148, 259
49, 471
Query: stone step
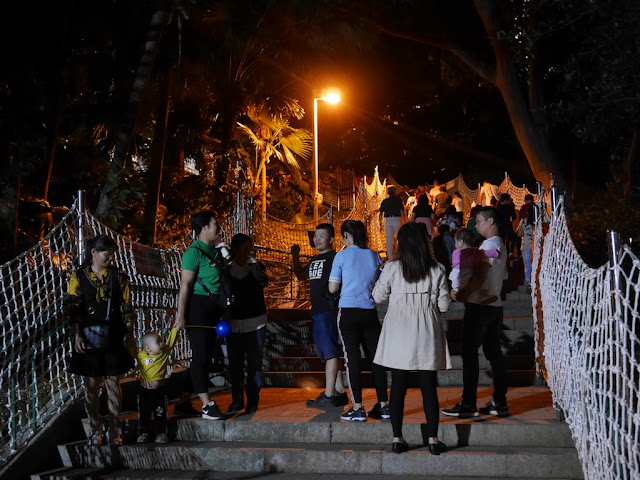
148, 474
304, 364
363, 459
446, 378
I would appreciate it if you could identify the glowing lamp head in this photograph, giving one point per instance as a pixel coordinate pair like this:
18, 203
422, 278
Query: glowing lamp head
331, 97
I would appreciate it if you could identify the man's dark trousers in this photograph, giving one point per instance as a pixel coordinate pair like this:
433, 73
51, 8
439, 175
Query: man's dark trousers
482, 326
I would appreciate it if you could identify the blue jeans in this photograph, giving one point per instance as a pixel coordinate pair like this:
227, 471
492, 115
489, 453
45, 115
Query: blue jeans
527, 257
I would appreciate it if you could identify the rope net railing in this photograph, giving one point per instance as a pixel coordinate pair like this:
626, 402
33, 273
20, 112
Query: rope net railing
591, 348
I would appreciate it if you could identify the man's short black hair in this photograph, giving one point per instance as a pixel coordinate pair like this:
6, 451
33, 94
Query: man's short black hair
201, 219
490, 212
328, 228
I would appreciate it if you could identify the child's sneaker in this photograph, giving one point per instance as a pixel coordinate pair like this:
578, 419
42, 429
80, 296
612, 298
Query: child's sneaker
352, 415
143, 438
162, 438
379, 412
211, 412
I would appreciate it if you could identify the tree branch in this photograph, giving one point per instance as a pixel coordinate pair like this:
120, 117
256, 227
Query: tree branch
483, 69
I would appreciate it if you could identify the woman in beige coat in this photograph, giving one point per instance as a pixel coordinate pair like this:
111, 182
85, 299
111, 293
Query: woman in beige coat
412, 336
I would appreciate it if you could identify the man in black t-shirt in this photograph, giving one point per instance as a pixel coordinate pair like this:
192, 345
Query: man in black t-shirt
392, 209
324, 314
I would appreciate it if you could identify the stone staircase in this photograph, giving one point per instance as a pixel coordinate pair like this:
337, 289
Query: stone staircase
291, 361
524, 446
286, 440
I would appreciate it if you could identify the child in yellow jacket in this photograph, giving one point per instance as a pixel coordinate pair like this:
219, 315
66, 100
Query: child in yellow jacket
152, 392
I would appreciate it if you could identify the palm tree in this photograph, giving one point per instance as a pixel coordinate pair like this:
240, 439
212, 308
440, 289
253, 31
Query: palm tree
273, 136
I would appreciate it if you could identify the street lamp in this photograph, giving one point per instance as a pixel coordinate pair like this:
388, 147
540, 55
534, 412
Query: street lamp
333, 97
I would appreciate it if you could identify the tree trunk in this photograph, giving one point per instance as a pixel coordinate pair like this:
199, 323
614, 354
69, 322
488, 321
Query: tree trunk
157, 162
533, 138
123, 139
264, 182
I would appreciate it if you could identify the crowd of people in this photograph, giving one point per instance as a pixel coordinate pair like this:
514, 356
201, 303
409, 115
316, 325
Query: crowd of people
431, 259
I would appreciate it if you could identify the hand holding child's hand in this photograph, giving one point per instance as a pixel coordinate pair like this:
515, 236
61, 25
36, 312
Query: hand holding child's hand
179, 322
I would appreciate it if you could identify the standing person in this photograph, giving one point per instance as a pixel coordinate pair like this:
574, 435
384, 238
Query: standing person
459, 206
423, 213
488, 192
482, 322
442, 201
100, 315
198, 305
393, 210
355, 271
507, 212
248, 323
323, 314
527, 241
412, 335
152, 391
435, 191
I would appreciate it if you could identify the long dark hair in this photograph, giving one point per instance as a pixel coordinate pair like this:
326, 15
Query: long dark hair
414, 253
357, 230
101, 243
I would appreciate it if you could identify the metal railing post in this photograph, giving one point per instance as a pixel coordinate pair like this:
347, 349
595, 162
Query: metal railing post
331, 214
554, 198
613, 247
80, 226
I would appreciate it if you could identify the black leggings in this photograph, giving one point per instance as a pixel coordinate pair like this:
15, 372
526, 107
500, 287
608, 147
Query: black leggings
204, 315
359, 326
428, 381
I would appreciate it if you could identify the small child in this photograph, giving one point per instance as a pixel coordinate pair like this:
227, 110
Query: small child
152, 392
465, 259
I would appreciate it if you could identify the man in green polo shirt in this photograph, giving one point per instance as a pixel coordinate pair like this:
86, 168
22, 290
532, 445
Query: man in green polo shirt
197, 309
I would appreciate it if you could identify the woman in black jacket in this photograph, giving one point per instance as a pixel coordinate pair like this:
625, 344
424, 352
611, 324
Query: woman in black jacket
248, 323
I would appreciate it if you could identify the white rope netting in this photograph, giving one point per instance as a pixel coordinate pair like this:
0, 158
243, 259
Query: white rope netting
34, 383
591, 349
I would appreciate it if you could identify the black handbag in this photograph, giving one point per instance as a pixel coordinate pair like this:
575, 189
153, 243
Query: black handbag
97, 332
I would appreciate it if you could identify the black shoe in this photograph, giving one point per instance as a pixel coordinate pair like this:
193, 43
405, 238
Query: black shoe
379, 412
437, 448
497, 410
352, 415
211, 412
399, 447
342, 399
460, 411
251, 409
185, 409
322, 401
235, 407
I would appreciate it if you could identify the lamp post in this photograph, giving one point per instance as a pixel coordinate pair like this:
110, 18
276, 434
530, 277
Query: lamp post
332, 97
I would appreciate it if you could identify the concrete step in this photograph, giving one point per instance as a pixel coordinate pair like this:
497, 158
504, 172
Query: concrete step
518, 308
304, 364
148, 474
448, 378
363, 459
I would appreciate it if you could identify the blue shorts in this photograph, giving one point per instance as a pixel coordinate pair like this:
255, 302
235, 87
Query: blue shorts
325, 334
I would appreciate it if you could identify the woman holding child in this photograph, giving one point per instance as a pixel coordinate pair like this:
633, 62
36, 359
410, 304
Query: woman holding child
412, 336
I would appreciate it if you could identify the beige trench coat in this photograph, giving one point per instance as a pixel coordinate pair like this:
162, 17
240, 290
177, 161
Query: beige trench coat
412, 336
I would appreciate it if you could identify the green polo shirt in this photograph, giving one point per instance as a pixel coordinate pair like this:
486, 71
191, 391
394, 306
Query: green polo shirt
199, 263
